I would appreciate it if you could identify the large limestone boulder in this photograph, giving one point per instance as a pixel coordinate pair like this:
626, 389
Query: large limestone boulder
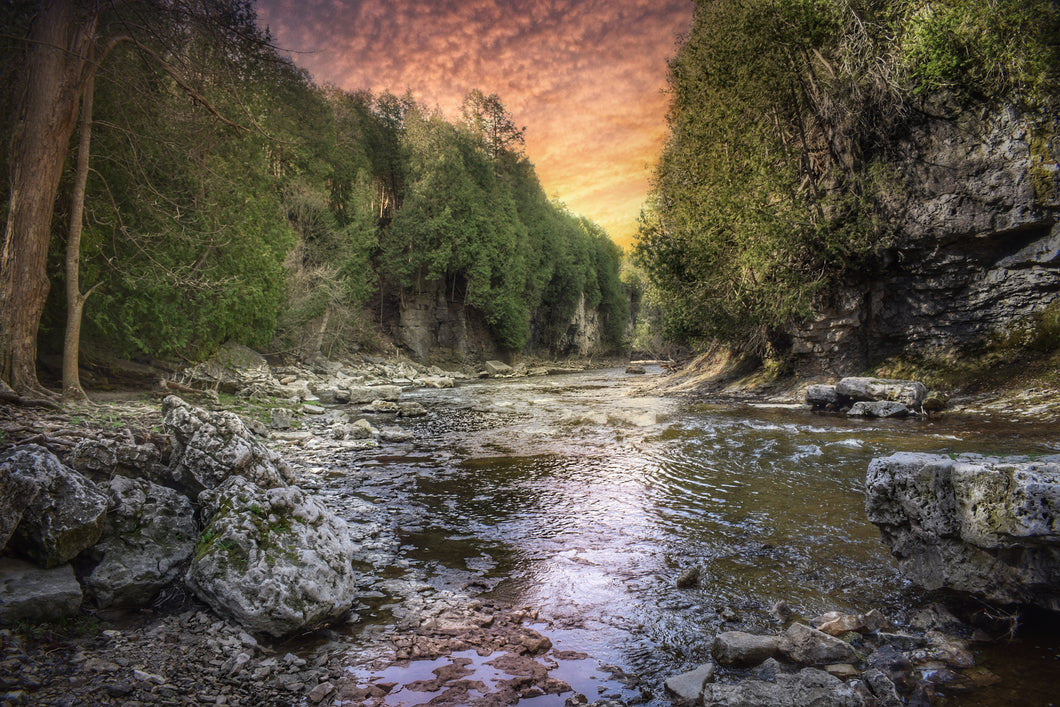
986, 526
209, 447
853, 390
233, 369
150, 533
66, 515
498, 368
17, 491
29, 593
275, 560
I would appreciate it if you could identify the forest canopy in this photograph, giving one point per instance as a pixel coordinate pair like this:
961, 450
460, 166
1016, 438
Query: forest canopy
782, 115
228, 197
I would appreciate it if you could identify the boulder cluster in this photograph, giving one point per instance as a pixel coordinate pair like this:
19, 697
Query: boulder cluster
874, 397
843, 660
223, 517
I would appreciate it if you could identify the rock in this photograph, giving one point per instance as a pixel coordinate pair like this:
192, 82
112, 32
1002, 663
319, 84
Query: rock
66, 515
878, 690
313, 409
383, 407
411, 409
883, 408
280, 418
364, 394
909, 393
255, 425
821, 396
149, 534
935, 402
232, 369
739, 649
808, 646
988, 527
689, 686
809, 687
119, 454
688, 578
835, 623
209, 447
498, 368
319, 693
275, 560
395, 434
843, 671
17, 492
437, 382
29, 593
636, 370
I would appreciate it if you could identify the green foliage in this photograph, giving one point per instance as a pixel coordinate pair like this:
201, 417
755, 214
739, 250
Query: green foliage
283, 233
770, 188
1001, 49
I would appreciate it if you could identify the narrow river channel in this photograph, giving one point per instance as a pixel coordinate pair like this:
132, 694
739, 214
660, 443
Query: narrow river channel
585, 499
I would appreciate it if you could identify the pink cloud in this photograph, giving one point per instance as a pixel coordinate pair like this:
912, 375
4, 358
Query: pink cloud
584, 76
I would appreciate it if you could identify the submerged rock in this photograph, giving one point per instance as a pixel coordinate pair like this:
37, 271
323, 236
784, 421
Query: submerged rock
64, 517
150, 533
881, 408
989, 527
275, 560
809, 687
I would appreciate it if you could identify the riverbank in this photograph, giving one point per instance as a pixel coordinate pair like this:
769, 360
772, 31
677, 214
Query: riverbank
397, 616
1015, 386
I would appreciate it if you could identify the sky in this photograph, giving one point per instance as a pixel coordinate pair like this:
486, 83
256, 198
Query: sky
585, 77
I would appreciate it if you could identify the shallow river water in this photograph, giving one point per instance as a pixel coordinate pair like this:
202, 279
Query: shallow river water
585, 499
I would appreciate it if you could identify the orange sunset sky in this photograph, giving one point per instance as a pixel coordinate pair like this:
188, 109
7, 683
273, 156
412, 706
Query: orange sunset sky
586, 77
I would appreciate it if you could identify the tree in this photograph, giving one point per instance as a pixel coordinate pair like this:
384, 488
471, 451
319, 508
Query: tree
45, 108
489, 119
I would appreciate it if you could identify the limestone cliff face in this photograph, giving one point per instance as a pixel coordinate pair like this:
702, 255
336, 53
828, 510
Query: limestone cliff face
430, 323
977, 245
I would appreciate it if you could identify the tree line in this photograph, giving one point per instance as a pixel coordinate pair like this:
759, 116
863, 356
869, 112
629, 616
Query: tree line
774, 183
175, 176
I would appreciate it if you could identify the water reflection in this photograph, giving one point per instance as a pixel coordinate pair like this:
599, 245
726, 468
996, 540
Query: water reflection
576, 497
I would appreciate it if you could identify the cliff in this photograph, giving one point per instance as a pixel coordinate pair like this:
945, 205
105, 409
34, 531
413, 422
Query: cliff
975, 209
432, 323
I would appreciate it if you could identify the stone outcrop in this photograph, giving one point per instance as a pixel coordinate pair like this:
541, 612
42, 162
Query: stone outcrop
209, 447
275, 560
66, 515
149, 535
976, 248
29, 593
989, 527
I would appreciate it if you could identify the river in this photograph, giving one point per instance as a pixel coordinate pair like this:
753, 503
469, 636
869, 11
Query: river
585, 497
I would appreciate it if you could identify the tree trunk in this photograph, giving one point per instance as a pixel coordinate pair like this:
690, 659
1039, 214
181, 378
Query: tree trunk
75, 301
45, 116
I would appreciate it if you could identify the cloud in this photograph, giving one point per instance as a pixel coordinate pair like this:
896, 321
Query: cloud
584, 76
